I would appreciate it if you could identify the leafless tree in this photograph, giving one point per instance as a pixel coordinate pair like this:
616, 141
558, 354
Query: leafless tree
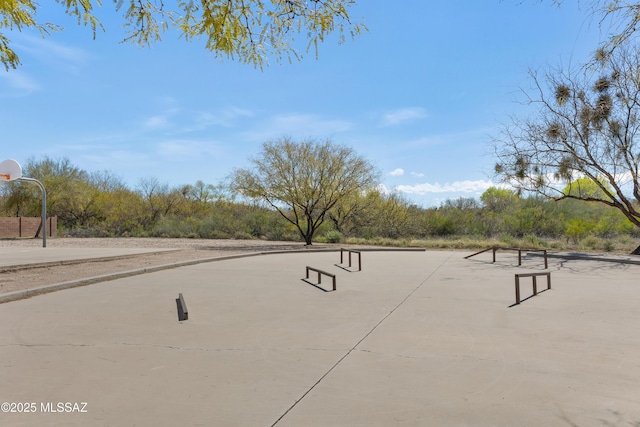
585, 125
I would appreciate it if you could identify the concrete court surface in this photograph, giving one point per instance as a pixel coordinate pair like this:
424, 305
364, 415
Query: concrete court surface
414, 339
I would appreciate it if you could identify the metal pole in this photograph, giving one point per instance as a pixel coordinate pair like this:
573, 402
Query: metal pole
44, 208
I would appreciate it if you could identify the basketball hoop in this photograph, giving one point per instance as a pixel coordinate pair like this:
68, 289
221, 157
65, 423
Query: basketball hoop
10, 170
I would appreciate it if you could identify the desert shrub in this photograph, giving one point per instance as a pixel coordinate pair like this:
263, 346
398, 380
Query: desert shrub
174, 227
242, 235
94, 231
508, 240
333, 236
591, 242
534, 241
608, 246
440, 223
577, 229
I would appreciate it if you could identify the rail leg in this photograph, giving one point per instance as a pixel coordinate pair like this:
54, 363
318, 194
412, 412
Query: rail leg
535, 286
183, 313
517, 290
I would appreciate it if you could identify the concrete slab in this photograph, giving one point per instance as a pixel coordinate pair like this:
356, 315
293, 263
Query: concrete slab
416, 338
17, 256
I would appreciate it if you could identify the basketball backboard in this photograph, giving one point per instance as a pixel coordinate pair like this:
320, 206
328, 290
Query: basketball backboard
10, 170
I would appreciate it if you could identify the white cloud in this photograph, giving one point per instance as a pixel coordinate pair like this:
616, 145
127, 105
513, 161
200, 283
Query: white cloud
56, 54
193, 120
20, 81
397, 172
384, 189
185, 149
115, 160
157, 122
226, 117
417, 174
297, 125
309, 123
166, 117
396, 117
454, 187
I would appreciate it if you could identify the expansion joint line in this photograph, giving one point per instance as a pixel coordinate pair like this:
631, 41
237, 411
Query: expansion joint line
335, 365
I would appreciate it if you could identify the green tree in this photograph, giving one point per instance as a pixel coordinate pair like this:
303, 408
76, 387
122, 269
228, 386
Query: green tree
199, 198
17, 198
439, 222
304, 180
498, 199
393, 216
159, 200
585, 188
381, 215
578, 229
124, 211
202, 193
249, 31
355, 211
534, 216
69, 195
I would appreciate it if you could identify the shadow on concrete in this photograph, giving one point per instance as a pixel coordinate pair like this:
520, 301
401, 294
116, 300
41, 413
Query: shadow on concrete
346, 268
529, 297
317, 286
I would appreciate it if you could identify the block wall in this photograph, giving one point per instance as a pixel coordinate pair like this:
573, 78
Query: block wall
26, 226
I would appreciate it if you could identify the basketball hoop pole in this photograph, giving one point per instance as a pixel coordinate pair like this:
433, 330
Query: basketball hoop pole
44, 207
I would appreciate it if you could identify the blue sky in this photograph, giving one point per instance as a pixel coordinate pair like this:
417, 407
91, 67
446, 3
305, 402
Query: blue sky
420, 94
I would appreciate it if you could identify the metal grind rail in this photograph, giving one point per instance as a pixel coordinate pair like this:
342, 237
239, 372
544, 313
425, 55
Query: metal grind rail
351, 251
520, 250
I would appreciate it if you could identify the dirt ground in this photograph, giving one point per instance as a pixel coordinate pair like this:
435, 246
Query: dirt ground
26, 277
